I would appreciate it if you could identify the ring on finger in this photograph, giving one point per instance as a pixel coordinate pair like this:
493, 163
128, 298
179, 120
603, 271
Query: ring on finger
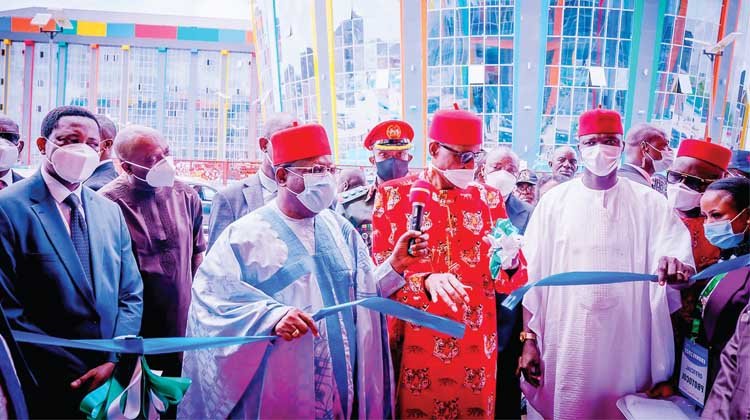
295, 333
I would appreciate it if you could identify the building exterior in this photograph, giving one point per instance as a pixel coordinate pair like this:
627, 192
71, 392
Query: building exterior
528, 68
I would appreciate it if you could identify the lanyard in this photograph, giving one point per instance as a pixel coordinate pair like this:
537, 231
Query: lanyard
700, 306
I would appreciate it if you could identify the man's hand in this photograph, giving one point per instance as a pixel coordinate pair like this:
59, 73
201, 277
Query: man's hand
401, 258
661, 390
673, 271
529, 364
95, 377
447, 286
295, 324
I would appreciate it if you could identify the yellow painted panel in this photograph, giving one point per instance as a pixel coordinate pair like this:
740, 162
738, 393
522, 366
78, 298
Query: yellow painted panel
92, 28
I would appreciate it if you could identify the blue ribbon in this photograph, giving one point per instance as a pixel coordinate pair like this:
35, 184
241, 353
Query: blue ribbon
606, 277
148, 346
400, 311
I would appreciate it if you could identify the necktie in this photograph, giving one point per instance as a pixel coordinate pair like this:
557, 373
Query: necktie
79, 233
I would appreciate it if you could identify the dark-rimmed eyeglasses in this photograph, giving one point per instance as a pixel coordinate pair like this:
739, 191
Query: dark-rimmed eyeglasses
11, 137
465, 157
317, 169
691, 181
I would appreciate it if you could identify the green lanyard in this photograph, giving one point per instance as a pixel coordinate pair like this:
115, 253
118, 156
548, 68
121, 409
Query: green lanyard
700, 305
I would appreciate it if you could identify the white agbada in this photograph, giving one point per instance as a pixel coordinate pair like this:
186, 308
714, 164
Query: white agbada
309, 261
599, 343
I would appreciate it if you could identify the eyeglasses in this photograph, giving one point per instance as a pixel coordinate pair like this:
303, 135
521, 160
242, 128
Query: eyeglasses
317, 169
693, 182
465, 157
11, 137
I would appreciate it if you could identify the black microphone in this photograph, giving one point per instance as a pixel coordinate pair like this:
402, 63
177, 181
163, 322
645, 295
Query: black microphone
418, 196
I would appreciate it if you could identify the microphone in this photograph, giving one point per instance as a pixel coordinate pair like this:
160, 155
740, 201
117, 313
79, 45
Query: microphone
418, 196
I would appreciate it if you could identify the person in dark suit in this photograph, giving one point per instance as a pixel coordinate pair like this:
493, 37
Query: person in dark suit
105, 172
647, 153
254, 191
501, 171
66, 266
11, 146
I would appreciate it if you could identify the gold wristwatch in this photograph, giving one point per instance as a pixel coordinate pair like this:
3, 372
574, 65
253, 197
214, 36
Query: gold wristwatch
527, 335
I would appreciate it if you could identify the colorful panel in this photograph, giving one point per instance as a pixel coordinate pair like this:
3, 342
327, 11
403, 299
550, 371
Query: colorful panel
73, 30
22, 24
92, 28
192, 33
5, 24
155, 31
231, 35
121, 30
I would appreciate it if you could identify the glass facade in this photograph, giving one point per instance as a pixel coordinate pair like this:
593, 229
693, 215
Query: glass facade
483, 55
206, 133
295, 43
683, 84
143, 87
40, 96
109, 82
470, 61
176, 104
587, 64
15, 69
367, 63
239, 145
78, 70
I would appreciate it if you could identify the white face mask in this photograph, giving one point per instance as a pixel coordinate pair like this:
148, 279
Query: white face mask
319, 192
460, 178
601, 159
667, 158
682, 198
160, 175
8, 155
73, 162
503, 181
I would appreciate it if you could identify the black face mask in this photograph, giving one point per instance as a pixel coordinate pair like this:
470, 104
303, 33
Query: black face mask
392, 168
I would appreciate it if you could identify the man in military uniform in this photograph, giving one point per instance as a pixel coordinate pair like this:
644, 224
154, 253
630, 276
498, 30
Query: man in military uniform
389, 143
526, 187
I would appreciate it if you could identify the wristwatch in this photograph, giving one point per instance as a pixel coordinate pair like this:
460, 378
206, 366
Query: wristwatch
527, 335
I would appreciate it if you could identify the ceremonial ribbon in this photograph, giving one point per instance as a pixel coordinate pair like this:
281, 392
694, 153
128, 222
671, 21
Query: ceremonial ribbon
149, 394
606, 277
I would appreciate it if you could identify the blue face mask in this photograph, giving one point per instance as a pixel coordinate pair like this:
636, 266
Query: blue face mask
721, 235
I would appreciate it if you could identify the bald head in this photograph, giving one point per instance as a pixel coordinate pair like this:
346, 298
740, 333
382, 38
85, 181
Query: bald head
564, 162
277, 122
7, 125
501, 158
351, 178
136, 141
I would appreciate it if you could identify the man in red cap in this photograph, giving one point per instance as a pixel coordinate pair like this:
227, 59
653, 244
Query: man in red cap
441, 376
698, 164
587, 346
389, 143
266, 274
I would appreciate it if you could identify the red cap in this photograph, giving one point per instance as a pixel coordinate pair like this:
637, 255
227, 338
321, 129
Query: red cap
456, 126
599, 121
420, 192
390, 135
712, 153
299, 142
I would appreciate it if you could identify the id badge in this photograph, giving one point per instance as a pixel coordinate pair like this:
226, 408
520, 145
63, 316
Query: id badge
694, 372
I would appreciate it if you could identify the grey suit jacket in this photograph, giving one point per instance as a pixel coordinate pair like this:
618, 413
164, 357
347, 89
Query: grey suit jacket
519, 212
627, 171
730, 395
232, 203
103, 175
